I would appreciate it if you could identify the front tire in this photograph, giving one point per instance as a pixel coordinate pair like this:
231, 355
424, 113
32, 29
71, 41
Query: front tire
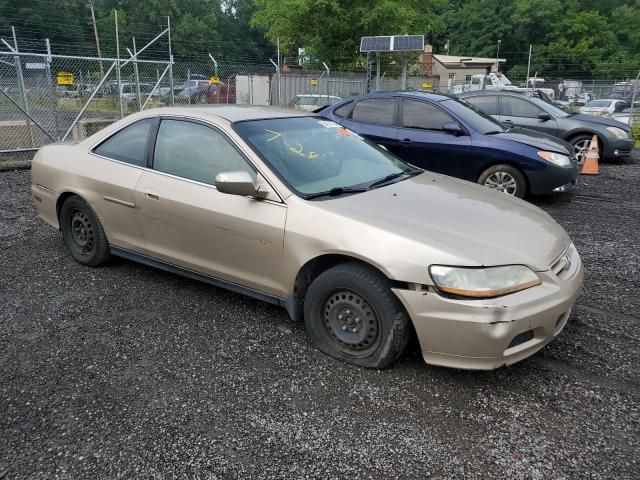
506, 179
352, 315
83, 233
580, 144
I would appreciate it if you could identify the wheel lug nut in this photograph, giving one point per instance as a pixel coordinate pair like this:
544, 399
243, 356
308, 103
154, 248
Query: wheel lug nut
340, 317
344, 328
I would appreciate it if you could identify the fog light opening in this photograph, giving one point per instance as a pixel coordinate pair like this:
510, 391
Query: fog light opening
521, 338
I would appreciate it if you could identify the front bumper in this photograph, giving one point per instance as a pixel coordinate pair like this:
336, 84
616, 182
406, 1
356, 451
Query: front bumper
550, 179
618, 148
487, 334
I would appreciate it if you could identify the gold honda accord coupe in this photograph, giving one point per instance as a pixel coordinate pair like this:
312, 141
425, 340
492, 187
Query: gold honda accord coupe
293, 209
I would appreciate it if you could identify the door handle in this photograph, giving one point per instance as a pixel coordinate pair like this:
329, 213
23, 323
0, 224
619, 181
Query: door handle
406, 140
151, 195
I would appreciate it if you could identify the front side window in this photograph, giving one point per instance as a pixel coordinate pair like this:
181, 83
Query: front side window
313, 155
518, 107
195, 152
423, 115
487, 103
129, 144
379, 111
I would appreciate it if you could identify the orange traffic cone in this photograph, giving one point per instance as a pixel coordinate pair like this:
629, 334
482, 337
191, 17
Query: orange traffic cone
590, 165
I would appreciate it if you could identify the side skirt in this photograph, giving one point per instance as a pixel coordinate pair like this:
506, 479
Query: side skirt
185, 272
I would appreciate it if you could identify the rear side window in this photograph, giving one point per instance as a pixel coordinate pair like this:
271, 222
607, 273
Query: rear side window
129, 144
374, 110
488, 104
423, 115
196, 152
342, 111
518, 107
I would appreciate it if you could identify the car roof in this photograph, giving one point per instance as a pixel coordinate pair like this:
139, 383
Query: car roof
232, 113
432, 96
480, 93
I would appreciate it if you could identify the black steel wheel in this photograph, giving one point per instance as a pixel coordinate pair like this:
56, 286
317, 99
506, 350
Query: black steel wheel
352, 315
83, 232
352, 322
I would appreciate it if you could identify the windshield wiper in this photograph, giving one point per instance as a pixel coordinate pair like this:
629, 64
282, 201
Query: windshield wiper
335, 191
393, 176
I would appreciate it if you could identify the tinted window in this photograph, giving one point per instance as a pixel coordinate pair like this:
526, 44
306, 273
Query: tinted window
472, 115
342, 111
488, 104
129, 144
196, 152
423, 115
517, 107
374, 110
599, 103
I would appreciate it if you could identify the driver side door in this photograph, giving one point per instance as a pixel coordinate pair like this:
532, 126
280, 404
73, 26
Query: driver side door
423, 142
187, 222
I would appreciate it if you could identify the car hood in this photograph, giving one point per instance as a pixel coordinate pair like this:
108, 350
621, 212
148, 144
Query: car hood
535, 139
459, 219
600, 120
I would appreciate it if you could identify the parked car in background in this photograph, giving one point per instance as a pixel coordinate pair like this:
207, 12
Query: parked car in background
293, 209
511, 109
624, 116
604, 107
313, 101
221, 93
129, 92
447, 135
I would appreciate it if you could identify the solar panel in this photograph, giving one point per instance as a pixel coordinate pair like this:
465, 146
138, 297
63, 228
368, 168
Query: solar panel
375, 44
397, 43
408, 43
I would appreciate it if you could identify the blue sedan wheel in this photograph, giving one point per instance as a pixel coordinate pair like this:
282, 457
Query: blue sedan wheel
504, 178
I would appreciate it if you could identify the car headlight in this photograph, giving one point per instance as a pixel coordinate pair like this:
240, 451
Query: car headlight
556, 158
617, 132
483, 282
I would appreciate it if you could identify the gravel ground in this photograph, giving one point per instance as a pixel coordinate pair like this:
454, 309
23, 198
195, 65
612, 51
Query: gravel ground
125, 371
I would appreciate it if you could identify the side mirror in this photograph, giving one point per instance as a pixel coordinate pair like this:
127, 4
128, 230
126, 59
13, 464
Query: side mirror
453, 128
237, 183
544, 116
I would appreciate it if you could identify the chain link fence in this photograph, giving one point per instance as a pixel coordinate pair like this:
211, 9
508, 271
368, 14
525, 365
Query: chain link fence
48, 98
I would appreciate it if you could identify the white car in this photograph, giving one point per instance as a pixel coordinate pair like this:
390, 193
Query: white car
313, 101
604, 107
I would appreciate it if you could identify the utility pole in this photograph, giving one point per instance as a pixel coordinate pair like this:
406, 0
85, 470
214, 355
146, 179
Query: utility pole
95, 31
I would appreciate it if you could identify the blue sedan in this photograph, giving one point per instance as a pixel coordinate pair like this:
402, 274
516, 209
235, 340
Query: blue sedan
447, 135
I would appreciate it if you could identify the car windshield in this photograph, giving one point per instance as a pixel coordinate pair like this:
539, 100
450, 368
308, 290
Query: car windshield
549, 107
598, 103
313, 155
475, 117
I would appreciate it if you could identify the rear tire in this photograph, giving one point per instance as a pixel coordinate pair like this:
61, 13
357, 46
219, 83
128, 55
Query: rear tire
504, 178
83, 232
352, 315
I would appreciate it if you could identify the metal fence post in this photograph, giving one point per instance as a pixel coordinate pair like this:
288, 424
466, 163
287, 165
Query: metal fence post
21, 83
634, 109
52, 91
328, 79
119, 79
170, 60
135, 70
189, 86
